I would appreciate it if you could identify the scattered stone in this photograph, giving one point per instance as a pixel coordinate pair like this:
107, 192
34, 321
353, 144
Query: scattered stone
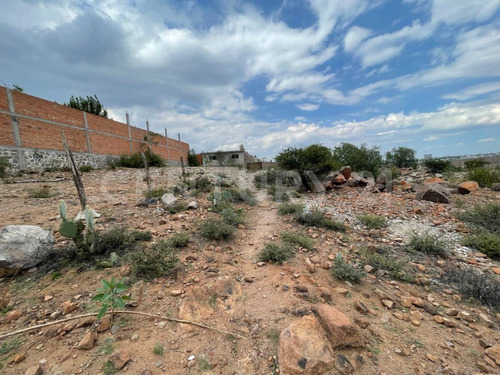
68, 307
304, 348
87, 342
13, 315
368, 268
105, 323
363, 323
176, 292
18, 358
34, 370
467, 187
23, 246
193, 205
431, 357
361, 307
168, 200
494, 353
342, 332
388, 303
434, 193
120, 359
344, 365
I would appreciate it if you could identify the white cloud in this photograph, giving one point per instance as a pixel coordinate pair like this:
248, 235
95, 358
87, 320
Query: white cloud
486, 140
354, 37
307, 107
473, 91
381, 48
431, 138
460, 12
476, 54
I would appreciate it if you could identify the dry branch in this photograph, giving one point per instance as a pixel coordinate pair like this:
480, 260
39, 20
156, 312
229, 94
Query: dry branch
5, 335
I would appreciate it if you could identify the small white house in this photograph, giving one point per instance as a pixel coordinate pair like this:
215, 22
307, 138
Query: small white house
228, 158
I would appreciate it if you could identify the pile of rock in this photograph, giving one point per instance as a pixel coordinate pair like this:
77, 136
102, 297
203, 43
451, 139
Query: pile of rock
344, 177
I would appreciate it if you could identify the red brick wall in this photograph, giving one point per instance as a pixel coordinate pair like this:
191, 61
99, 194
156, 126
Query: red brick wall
107, 126
6, 136
36, 133
4, 104
109, 145
32, 106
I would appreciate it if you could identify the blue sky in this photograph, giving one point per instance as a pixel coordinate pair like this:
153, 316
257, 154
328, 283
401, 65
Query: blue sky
271, 74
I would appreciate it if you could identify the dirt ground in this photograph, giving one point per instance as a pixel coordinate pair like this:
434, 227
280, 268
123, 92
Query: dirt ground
223, 285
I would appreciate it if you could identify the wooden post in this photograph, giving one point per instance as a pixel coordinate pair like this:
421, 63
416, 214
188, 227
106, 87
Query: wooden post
76, 175
147, 177
183, 170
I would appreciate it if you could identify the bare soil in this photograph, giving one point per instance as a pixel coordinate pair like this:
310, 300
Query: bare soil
224, 286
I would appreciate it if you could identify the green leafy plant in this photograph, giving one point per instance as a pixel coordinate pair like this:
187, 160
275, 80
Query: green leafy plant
435, 165
159, 261
135, 160
75, 229
372, 221
483, 217
179, 240
86, 168
155, 193
383, 260
177, 206
276, 253
428, 243
290, 208
486, 242
342, 270
43, 192
90, 104
233, 217
485, 177
216, 229
159, 349
110, 296
317, 218
4, 164
360, 159
401, 157
298, 239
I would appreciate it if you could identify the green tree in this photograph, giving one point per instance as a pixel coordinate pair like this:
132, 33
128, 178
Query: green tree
316, 158
90, 104
359, 158
435, 165
193, 159
17, 88
402, 157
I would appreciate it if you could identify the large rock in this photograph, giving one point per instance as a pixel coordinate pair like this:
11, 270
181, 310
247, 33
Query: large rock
434, 193
168, 200
346, 171
341, 331
467, 187
314, 184
494, 353
23, 246
305, 349
495, 186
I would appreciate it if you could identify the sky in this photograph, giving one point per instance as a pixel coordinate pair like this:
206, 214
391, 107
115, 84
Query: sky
270, 74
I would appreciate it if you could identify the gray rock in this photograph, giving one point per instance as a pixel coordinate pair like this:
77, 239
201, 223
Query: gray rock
24, 246
495, 186
434, 193
193, 205
168, 200
314, 184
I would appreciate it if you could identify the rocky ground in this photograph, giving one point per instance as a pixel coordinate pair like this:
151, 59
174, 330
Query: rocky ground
327, 326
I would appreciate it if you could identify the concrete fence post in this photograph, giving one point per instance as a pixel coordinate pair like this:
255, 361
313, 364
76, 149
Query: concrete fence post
15, 130
89, 144
129, 133
168, 149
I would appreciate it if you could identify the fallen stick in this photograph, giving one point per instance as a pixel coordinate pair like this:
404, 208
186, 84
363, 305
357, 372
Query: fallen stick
36, 181
5, 335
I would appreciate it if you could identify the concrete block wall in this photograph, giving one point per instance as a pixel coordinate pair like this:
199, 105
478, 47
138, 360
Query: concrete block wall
30, 135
